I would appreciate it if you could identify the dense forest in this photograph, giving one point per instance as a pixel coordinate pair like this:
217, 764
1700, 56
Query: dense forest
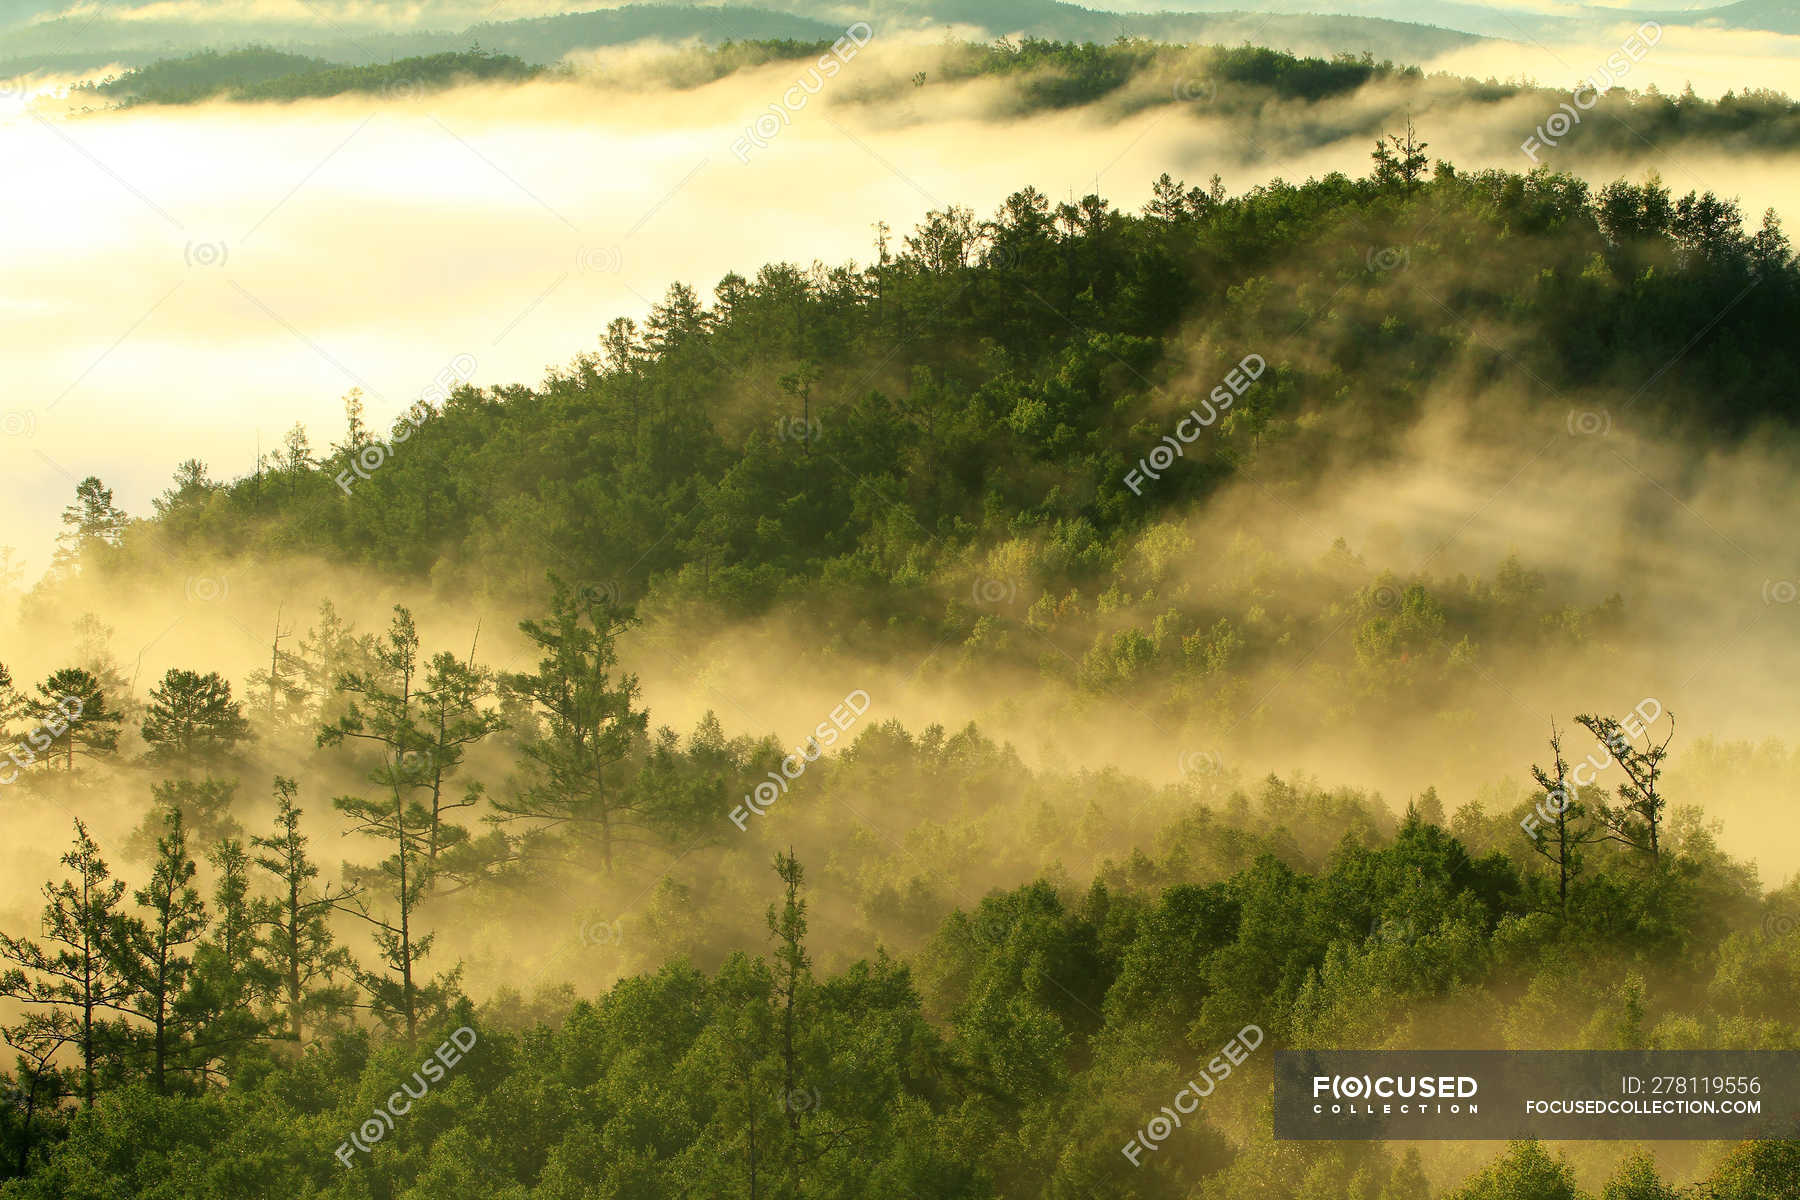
952, 446
260, 73
1235, 83
820, 443
224, 1041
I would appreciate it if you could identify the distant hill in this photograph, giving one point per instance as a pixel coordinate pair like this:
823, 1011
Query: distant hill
546, 39
197, 76
1772, 16
259, 73
94, 40
1512, 24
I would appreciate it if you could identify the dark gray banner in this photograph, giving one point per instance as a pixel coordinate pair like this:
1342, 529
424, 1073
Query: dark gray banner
1436, 1095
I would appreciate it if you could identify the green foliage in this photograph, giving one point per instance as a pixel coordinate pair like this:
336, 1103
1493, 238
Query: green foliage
590, 724
1526, 1172
192, 718
381, 717
204, 74
1008, 1047
1067, 1018
1056, 339
260, 73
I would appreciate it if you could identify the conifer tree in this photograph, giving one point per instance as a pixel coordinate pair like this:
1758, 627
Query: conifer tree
292, 927
382, 713
80, 967
591, 725
159, 959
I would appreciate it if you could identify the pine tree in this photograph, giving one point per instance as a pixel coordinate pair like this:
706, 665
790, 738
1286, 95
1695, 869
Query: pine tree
295, 459
92, 524
72, 711
330, 650
12, 704
1400, 159
80, 968
383, 712
228, 980
190, 487
356, 429
39, 1038
590, 724
193, 719
293, 930
281, 692
792, 972
205, 808
159, 964
1562, 843
1638, 821
452, 719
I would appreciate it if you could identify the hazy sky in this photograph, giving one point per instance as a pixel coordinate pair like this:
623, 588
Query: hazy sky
191, 282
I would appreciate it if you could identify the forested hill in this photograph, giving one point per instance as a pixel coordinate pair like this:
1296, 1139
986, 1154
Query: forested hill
966, 977
259, 73
1246, 85
972, 441
827, 431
